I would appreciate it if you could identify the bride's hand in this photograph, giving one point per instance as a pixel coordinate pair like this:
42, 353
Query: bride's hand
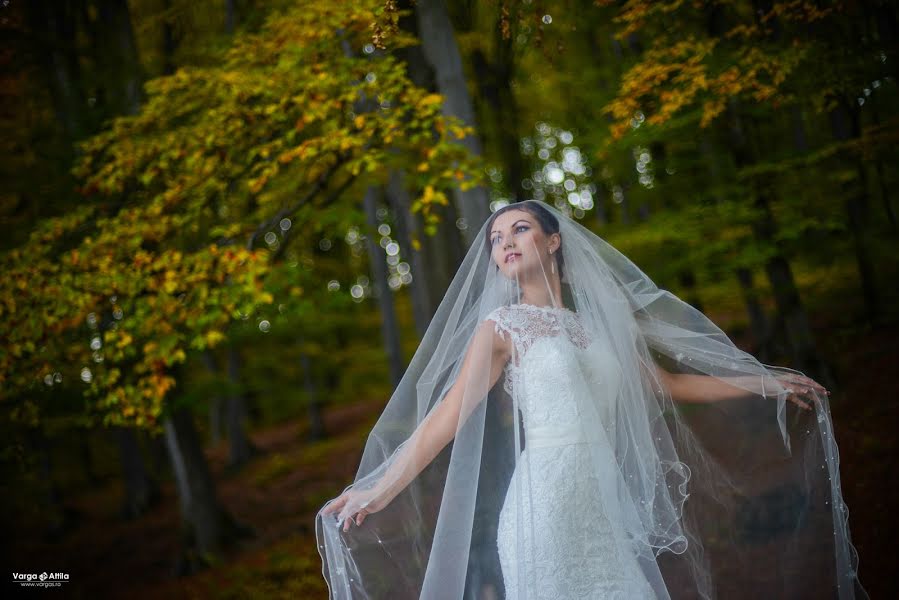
800, 386
354, 505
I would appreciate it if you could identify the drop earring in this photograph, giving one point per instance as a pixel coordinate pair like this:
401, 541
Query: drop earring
552, 263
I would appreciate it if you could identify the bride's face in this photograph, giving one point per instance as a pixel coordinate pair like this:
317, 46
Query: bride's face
515, 240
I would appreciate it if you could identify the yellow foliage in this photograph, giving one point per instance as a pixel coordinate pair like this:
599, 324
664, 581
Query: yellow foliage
431, 196
124, 340
214, 336
430, 99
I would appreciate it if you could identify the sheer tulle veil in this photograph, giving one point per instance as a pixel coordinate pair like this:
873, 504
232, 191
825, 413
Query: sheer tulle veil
717, 484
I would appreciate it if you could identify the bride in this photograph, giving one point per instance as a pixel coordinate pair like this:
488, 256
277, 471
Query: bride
568, 430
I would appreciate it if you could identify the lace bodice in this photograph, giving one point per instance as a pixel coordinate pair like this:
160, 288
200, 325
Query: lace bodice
527, 323
552, 352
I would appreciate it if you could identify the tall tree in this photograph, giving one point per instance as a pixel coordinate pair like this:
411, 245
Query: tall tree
436, 251
442, 53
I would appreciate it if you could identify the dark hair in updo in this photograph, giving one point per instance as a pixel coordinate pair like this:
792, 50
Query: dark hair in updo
547, 221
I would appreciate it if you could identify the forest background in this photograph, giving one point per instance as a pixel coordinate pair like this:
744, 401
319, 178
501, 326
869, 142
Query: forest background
226, 224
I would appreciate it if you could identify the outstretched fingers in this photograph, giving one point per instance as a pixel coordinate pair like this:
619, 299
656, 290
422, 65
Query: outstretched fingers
360, 516
794, 398
335, 505
802, 391
803, 383
813, 384
340, 504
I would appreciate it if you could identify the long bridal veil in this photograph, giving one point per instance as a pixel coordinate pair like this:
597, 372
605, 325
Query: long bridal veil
735, 494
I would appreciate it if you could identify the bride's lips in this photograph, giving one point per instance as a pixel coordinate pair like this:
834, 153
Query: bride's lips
513, 254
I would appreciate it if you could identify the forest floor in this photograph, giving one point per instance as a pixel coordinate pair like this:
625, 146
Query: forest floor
280, 491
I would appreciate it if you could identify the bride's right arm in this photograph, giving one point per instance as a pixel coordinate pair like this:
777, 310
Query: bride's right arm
484, 360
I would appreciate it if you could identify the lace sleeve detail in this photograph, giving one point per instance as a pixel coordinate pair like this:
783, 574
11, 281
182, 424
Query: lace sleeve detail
524, 324
503, 326
500, 318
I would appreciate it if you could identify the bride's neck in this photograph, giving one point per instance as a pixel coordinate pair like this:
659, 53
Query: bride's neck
542, 297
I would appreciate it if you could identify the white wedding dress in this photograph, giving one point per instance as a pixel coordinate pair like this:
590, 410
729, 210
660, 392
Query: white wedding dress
563, 540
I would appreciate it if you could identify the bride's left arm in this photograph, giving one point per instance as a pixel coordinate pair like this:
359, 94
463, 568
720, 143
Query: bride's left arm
696, 388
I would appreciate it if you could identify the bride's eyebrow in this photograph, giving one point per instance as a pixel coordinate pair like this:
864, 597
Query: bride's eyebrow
512, 227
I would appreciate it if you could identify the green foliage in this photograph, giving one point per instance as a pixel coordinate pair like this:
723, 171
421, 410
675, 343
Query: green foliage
156, 264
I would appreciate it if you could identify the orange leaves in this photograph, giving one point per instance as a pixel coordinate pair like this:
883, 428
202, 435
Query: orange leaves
672, 77
256, 185
635, 14
304, 151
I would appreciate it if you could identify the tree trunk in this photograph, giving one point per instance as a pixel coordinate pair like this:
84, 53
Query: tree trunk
625, 211
379, 273
229, 16
116, 50
599, 202
314, 404
408, 228
845, 126
241, 448
786, 296
800, 139
216, 404
438, 256
759, 325
208, 528
687, 279
169, 42
442, 53
87, 457
58, 519
885, 197
499, 110
378, 263
159, 454
141, 490
56, 22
